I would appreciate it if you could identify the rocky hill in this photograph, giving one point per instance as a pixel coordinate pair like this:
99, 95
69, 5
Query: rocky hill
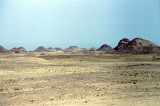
106, 48
22, 50
19, 50
137, 45
41, 49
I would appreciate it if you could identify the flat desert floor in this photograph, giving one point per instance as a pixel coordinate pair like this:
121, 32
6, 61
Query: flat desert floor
78, 79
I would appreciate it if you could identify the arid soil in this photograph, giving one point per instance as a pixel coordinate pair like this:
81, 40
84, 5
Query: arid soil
77, 79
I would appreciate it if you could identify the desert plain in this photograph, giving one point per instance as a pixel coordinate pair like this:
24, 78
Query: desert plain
79, 78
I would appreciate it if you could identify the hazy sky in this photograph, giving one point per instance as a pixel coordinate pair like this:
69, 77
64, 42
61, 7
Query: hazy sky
85, 23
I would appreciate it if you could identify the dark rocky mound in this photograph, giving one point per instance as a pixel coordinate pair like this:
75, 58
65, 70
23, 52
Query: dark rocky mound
19, 50
73, 49
122, 43
106, 48
41, 49
139, 46
3, 50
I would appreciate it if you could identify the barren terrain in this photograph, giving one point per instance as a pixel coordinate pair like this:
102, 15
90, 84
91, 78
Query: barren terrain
94, 79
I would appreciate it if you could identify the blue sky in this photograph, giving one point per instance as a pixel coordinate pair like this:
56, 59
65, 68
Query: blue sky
85, 23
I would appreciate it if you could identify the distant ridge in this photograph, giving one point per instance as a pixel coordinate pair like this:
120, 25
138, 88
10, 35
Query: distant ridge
135, 46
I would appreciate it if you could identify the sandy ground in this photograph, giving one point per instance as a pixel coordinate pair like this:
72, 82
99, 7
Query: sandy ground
77, 79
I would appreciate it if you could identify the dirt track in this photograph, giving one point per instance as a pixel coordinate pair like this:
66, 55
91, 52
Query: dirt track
79, 79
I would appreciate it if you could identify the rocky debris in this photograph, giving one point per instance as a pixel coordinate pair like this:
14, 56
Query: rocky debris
19, 50
41, 49
106, 48
3, 50
73, 49
139, 46
122, 43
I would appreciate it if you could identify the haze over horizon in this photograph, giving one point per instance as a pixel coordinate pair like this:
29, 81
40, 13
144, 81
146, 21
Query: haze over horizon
83, 23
